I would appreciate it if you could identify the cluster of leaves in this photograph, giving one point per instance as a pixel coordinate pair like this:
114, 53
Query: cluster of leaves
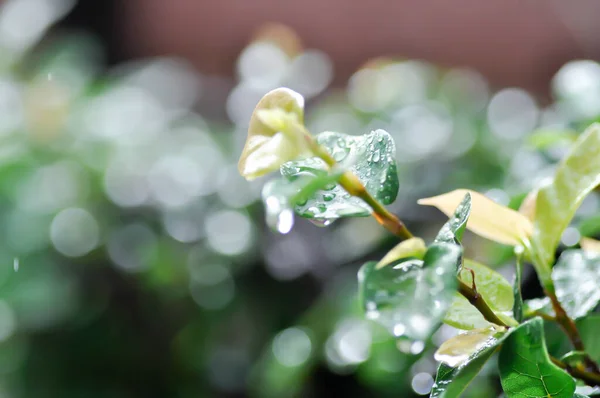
416, 287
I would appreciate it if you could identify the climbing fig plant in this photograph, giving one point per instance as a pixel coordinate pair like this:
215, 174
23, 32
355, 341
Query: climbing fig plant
419, 285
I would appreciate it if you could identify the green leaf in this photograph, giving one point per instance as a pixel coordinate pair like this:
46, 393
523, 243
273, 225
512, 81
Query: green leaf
577, 281
454, 228
576, 176
544, 139
371, 157
410, 298
525, 368
574, 358
456, 351
495, 289
518, 296
588, 329
280, 195
451, 381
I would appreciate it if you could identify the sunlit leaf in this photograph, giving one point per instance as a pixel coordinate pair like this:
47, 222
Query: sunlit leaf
494, 288
454, 228
577, 280
576, 176
411, 297
413, 247
371, 157
488, 219
275, 134
527, 207
526, 369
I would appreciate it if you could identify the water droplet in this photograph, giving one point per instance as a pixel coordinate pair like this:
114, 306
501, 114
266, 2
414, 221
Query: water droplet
16, 264
301, 201
328, 197
279, 217
376, 156
329, 186
321, 222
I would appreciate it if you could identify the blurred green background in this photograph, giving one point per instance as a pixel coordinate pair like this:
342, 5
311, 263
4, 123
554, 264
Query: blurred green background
135, 261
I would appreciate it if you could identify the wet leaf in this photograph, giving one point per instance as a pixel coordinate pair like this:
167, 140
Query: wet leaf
275, 134
451, 381
371, 157
457, 350
577, 281
454, 228
410, 298
495, 289
280, 195
526, 369
576, 176
413, 247
487, 219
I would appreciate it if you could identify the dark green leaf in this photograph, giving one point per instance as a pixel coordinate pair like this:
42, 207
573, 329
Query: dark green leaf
410, 298
588, 329
577, 280
574, 358
454, 228
525, 368
518, 297
576, 176
371, 157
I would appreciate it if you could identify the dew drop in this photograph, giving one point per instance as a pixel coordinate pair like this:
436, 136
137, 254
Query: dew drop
328, 196
321, 222
376, 156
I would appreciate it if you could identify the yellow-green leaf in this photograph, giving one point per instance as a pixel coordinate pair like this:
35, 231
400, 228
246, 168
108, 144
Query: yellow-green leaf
576, 176
275, 134
413, 247
488, 219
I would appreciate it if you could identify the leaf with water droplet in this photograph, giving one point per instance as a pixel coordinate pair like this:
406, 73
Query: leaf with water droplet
372, 163
280, 195
525, 368
576, 278
576, 176
411, 297
451, 381
454, 228
493, 287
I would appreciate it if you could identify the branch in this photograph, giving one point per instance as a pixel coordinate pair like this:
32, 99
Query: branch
478, 302
590, 378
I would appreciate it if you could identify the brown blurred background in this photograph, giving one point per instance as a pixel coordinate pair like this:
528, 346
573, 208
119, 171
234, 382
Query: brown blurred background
512, 42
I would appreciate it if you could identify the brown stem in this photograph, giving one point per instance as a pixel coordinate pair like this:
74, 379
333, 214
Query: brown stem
478, 302
590, 378
568, 325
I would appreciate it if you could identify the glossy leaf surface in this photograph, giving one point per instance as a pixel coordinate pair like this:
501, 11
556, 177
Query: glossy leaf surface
371, 157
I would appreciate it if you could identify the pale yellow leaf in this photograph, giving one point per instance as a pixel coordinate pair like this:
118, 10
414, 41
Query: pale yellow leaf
590, 245
413, 247
275, 134
488, 219
457, 350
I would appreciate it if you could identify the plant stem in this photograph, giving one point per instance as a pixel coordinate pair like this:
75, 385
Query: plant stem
591, 379
355, 187
478, 302
568, 325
